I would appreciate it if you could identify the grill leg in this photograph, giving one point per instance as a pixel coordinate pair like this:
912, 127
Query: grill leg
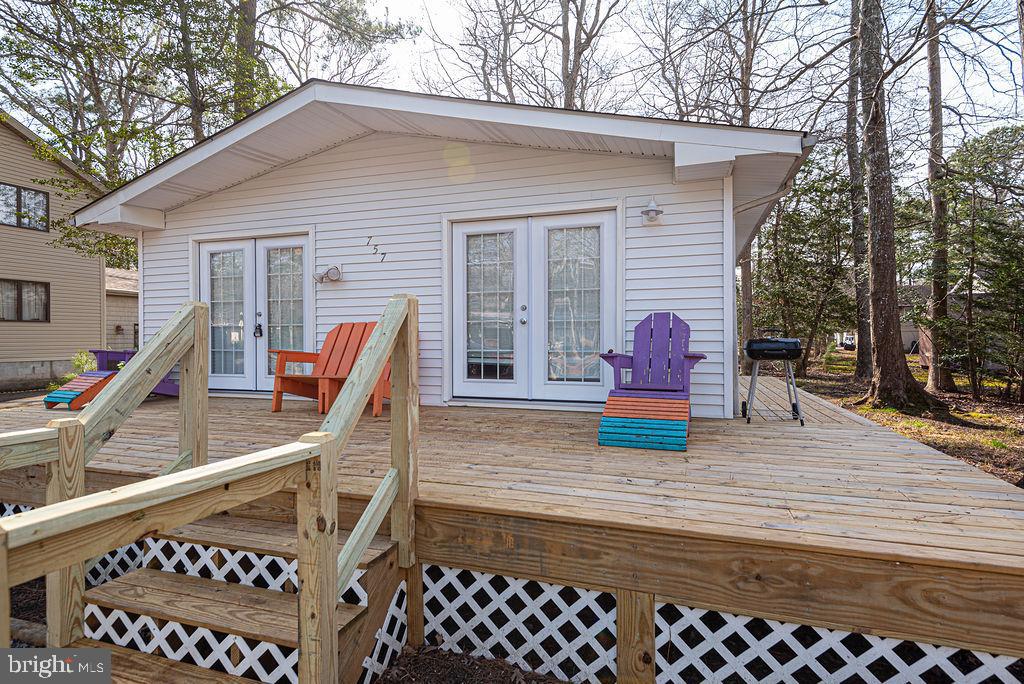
751, 388
798, 414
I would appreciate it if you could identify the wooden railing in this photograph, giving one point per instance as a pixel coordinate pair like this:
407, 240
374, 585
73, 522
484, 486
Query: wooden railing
49, 539
65, 445
184, 338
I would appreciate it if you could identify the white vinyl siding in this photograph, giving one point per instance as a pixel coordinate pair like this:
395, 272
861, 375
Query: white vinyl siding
375, 207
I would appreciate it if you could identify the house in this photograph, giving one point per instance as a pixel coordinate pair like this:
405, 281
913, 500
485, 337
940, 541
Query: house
521, 229
122, 308
51, 299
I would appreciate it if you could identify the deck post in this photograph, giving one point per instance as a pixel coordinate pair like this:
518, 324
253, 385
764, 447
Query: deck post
405, 419
65, 588
635, 631
5, 594
193, 395
316, 503
414, 601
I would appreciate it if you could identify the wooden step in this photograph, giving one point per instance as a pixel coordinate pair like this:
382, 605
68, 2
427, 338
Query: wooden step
134, 667
248, 612
262, 536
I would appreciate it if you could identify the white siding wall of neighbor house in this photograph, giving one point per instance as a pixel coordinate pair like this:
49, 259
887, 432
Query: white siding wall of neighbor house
386, 194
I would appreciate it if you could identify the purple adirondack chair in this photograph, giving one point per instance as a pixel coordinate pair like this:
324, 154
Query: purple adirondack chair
661, 361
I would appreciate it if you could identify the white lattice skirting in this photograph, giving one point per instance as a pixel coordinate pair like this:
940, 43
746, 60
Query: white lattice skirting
696, 645
570, 633
546, 628
391, 637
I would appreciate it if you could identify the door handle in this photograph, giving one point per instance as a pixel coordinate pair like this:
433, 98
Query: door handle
522, 321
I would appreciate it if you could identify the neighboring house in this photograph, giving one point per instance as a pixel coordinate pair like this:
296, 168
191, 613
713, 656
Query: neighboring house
122, 309
51, 300
518, 227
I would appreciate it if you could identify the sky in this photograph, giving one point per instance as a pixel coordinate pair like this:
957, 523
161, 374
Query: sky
442, 15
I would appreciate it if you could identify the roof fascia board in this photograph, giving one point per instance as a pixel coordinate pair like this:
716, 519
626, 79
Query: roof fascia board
580, 122
295, 100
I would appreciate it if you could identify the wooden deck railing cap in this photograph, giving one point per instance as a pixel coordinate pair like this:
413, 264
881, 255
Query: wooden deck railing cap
317, 437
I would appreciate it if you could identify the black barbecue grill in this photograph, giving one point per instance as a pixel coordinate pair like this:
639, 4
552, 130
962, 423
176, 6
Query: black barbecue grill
785, 349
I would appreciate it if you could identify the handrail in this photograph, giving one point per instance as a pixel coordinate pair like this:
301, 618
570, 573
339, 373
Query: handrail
367, 525
395, 336
49, 537
58, 537
184, 337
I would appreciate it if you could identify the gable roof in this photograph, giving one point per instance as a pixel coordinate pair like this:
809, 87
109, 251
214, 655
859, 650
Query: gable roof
32, 139
320, 115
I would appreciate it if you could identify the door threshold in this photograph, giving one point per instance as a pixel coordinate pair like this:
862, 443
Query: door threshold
537, 404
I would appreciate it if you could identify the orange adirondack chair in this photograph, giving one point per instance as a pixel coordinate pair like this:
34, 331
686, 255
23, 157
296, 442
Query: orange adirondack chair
331, 367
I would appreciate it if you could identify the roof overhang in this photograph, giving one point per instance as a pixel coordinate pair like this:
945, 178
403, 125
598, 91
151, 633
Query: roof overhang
320, 115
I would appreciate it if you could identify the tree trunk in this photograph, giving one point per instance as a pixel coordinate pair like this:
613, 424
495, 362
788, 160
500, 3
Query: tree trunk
939, 376
891, 381
747, 306
856, 167
195, 101
245, 59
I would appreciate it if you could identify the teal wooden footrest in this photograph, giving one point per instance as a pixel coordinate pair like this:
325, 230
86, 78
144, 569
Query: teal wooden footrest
643, 433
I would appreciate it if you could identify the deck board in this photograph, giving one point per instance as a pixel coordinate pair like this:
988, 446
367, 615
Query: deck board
839, 478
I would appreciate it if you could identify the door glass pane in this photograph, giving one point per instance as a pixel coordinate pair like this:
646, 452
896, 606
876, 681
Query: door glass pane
574, 311
490, 315
284, 304
227, 317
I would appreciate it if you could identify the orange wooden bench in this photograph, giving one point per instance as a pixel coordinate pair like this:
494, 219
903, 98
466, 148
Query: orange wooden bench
331, 367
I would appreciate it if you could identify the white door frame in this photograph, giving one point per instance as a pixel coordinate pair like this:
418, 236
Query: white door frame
540, 386
616, 204
264, 380
247, 379
518, 386
199, 242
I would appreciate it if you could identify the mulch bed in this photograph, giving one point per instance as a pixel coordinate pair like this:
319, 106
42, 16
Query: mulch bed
431, 665
28, 600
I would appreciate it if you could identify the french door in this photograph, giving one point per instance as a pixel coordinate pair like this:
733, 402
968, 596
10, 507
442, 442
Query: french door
534, 306
258, 291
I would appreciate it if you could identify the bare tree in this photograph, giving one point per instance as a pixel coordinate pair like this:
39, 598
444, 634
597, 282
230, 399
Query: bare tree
734, 62
855, 165
939, 376
542, 52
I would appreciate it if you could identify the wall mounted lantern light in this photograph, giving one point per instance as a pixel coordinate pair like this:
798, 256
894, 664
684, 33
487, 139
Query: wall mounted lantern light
332, 274
652, 212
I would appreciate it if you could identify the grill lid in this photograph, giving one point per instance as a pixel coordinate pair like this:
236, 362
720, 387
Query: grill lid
773, 349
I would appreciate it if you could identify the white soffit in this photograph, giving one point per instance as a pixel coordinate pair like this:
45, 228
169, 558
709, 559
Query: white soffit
321, 115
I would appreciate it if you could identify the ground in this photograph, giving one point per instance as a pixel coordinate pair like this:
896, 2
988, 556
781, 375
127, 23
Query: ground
987, 433
431, 665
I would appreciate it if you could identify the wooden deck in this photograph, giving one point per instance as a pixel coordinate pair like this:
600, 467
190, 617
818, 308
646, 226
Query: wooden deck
841, 523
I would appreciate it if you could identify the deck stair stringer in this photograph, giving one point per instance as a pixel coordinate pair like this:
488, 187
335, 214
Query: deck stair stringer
183, 608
